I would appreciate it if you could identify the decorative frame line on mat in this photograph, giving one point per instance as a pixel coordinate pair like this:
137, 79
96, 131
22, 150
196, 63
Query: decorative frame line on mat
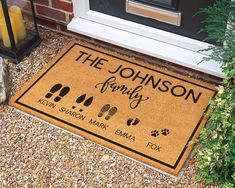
103, 138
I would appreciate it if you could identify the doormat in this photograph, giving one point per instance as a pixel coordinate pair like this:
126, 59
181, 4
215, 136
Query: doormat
137, 109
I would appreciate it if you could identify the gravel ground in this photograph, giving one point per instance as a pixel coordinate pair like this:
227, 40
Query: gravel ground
35, 154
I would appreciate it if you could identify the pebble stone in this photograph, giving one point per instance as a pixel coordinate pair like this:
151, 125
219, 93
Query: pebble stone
35, 154
4, 82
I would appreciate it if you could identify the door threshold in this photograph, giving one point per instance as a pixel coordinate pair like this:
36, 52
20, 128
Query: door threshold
175, 54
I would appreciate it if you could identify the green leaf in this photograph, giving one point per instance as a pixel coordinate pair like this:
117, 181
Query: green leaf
216, 153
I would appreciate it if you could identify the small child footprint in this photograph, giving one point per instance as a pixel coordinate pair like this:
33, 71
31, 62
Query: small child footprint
131, 121
136, 121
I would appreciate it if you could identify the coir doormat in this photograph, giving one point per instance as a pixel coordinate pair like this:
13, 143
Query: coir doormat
137, 109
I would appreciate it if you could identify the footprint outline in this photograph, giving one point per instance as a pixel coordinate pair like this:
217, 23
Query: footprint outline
111, 112
80, 100
104, 109
53, 90
64, 91
132, 121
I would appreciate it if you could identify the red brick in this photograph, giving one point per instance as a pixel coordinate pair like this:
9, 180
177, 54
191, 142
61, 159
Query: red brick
62, 5
46, 23
42, 2
50, 13
64, 29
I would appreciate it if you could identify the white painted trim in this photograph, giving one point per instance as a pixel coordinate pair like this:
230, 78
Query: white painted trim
146, 31
154, 42
82, 10
175, 54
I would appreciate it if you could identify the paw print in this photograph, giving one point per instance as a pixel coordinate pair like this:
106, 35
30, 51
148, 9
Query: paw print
154, 133
165, 132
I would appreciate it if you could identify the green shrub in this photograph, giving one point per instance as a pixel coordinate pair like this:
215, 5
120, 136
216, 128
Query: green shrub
216, 153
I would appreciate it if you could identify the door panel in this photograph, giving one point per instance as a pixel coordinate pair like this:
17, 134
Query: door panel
189, 25
168, 4
154, 12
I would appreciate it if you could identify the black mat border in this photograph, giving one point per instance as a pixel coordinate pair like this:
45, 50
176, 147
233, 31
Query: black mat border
108, 140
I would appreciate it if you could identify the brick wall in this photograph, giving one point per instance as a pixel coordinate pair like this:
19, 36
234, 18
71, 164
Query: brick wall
55, 14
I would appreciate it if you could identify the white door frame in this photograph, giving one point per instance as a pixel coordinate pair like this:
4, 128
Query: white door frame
155, 42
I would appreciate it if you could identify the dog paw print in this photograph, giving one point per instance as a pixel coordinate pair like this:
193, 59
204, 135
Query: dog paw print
154, 133
165, 132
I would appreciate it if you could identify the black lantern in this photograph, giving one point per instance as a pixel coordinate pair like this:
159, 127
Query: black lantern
18, 29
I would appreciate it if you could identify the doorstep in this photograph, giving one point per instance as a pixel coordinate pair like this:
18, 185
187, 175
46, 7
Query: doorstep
178, 55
